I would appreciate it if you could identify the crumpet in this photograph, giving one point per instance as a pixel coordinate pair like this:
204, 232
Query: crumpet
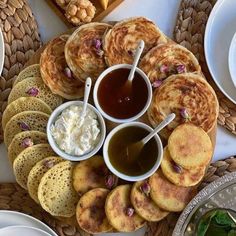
143, 204
90, 212
190, 146
120, 213
56, 193
177, 174
92, 173
167, 195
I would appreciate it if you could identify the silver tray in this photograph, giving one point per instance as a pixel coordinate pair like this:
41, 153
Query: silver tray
218, 194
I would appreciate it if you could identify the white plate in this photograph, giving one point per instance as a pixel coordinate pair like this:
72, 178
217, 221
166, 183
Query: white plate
220, 30
13, 218
2, 51
22, 230
232, 60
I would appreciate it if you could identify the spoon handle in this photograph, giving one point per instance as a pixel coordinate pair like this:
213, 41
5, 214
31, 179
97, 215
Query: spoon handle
163, 124
137, 56
87, 89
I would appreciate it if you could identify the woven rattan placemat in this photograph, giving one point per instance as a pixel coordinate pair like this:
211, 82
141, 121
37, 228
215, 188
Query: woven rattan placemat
189, 32
21, 39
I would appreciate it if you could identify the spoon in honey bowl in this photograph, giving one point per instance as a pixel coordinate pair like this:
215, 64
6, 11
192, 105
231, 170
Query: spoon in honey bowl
133, 150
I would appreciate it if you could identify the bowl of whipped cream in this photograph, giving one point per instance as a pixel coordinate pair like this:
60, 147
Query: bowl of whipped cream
75, 137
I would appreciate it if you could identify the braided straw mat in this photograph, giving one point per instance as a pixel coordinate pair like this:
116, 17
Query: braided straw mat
189, 32
21, 40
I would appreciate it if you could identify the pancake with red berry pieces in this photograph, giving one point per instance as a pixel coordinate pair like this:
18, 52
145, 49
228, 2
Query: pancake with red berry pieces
122, 40
190, 97
56, 73
84, 51
168, 59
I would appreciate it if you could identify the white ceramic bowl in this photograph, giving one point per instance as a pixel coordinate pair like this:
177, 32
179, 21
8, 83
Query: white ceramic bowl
101, 77
124, 176
54, 145
232, 59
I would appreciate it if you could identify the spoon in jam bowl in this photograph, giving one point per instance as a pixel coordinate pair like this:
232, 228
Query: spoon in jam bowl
133, 150
88, 84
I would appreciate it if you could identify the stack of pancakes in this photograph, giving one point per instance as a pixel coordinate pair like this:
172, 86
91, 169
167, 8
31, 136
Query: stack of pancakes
101, 202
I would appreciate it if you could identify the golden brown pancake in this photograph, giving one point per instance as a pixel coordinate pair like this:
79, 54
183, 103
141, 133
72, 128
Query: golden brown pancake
56, 73
190, 97
190, 146
168, 59
167, 195
177, 174
122, 40
120, 213
143, 204
92, 173
84, 52
90, 212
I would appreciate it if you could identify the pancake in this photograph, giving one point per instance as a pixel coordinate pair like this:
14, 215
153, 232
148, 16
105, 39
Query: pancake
92, 173
119, 211
177, 174
56, 193
190, 97
168, 196
168, 59
143, 204
121, 41
54, 68
25, 161
84, 53
24, 140
29, 71
90, 212
190, 146
36, 174
24, 104
25, 121
35, 87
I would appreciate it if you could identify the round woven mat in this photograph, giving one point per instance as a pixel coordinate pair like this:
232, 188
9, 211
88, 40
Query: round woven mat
189, 32
21, 39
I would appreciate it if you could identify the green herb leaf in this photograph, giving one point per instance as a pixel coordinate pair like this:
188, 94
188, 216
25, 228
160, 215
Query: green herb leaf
204, 223
222, 218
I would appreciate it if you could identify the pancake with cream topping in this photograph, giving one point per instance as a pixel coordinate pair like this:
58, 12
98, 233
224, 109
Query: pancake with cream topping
122, 40
84, 51
56, 73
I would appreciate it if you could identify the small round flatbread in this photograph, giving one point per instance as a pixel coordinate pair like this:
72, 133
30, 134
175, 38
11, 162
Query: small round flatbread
53, 68
29, 71
177, 174
92, 173
168, 59
119, 211
90, 212
25, 121
23, 140
56, 193
25, 161
190, 146
120, 43
36, 174
24, 104
168, 196
144, 205
35, 87
190, 97
84, 52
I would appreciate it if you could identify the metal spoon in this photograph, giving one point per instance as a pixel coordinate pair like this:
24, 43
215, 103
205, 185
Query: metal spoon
133, 150
87, 89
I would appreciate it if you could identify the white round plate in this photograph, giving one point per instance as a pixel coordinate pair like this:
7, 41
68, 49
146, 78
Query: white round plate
220, 30
22, 230
2, 51
13, 218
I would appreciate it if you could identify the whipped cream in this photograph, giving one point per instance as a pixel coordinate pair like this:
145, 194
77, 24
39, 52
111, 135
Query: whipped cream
76, 135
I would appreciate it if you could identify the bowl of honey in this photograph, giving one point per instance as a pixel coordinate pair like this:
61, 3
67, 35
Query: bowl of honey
118, 102
118, 161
